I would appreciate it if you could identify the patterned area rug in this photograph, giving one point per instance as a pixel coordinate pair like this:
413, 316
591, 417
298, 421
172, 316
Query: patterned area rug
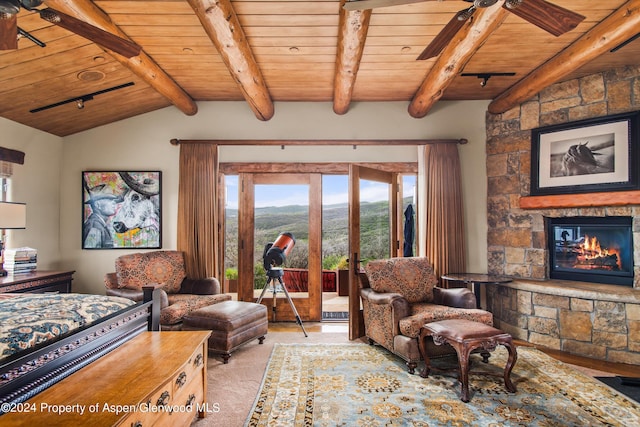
363, 385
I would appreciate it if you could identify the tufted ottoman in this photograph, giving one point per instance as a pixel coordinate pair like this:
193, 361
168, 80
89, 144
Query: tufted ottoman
232, 324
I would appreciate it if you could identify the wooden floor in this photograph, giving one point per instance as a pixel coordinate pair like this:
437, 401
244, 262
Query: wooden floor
591, 364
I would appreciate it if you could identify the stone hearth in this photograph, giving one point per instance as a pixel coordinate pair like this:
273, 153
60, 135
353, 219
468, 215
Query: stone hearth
599, 321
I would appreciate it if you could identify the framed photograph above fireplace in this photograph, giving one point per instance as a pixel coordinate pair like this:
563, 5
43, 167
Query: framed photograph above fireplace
594, 155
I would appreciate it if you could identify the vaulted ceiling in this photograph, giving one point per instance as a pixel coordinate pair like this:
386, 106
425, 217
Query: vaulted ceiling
264, 51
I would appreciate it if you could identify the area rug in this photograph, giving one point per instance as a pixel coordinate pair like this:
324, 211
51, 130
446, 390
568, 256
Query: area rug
363, 385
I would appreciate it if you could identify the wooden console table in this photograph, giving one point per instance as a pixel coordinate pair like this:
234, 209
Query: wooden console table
157, 378
38, 282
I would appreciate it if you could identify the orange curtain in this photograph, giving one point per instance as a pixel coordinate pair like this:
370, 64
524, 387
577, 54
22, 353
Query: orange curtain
197, 210
440, 210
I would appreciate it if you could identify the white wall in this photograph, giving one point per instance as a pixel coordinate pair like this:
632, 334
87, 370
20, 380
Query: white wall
36, 183
142, 143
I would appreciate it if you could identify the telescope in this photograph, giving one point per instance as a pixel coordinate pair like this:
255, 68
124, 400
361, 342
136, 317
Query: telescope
275, 254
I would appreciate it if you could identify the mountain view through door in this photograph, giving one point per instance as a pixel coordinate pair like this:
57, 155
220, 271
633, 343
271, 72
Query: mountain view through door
278, 211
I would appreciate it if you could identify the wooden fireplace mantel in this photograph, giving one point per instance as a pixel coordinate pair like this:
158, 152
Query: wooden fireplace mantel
617, 198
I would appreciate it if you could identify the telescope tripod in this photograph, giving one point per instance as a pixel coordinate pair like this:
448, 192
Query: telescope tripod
277, 273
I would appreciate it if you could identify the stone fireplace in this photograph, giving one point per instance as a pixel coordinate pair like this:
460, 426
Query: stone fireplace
598, 320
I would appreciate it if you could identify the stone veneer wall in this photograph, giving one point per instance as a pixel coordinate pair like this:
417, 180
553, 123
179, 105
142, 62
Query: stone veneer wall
540, 312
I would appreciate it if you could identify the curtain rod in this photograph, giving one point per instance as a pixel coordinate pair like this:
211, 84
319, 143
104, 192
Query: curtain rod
12, 156
283, 142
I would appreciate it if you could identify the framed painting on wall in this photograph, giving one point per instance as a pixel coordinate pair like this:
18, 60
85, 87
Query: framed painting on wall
593, 155
121, 210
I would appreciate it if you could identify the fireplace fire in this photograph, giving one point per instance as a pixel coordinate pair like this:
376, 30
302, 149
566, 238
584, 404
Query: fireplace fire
591, 249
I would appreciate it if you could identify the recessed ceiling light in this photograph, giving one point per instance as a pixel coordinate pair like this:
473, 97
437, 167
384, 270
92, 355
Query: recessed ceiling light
294, 49
90, 75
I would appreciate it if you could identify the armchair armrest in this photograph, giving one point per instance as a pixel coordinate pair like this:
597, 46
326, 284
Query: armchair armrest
111, 280
454, 297
131, 294
137, 295
208, 286
382, 313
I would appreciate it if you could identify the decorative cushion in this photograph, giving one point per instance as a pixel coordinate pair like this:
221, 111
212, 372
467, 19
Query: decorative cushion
427, 313
412, 277
165, 268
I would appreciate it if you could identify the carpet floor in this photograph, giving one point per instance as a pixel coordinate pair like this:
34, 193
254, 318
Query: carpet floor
358, 384
232, 387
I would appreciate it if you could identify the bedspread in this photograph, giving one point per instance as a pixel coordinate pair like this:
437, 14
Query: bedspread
27, 320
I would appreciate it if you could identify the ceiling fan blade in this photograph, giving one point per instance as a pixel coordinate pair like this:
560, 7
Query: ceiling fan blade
445, 36
373, 4
8, 31
97, 35
551, 18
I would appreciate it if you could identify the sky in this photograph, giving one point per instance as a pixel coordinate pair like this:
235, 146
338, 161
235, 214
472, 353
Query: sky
334, 191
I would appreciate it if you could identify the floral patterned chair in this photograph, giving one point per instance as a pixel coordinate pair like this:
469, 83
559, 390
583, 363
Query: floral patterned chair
165, 269
399, 295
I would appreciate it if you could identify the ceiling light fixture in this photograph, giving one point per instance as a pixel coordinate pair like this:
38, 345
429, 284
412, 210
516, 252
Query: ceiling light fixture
26, 35
80, 100
485, 76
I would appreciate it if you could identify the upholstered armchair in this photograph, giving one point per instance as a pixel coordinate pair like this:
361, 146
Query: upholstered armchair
164, 269
399, 295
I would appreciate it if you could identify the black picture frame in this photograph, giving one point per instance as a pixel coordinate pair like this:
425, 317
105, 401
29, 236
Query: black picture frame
593, 155
121, 209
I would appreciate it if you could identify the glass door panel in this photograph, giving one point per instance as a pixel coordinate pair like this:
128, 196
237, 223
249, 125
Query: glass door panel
284, 203
373, 229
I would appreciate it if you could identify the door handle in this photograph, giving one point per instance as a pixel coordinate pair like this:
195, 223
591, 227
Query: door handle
355, 263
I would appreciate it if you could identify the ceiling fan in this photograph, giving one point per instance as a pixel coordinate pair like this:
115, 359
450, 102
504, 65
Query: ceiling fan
9, 29
551, 18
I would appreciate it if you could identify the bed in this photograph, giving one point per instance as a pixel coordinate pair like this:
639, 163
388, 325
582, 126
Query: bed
46, 337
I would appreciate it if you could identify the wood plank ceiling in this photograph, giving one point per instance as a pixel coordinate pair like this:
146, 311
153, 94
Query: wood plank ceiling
292, 50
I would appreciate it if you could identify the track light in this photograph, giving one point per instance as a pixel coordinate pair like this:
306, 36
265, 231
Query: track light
79, 101
485, 76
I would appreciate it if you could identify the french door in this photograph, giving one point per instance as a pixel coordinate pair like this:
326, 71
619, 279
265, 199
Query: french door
363, 179
255, 191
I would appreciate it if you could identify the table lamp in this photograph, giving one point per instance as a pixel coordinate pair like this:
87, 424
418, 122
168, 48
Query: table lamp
12, 216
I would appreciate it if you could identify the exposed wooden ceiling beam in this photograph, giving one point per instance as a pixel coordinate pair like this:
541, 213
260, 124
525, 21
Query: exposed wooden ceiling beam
454, 57
612, 31
223, 27
352, 34
141, 65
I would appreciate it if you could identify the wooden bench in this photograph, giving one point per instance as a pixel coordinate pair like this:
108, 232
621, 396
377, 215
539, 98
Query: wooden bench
466, 336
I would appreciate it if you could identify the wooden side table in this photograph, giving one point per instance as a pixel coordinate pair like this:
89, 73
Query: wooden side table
465, 336
476, 280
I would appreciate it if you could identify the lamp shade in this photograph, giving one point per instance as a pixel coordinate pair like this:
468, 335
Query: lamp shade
13, 215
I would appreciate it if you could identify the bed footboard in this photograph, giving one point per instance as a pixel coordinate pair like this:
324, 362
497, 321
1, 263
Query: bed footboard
30, 373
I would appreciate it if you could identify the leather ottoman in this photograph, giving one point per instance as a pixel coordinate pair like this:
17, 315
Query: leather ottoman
232, 324
465, 336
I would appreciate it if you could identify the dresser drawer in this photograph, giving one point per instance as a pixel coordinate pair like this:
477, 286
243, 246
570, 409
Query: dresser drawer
151, 409
192, 368
185, 404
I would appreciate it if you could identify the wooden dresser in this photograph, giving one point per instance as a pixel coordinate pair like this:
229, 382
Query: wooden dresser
38, 282
157, 378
